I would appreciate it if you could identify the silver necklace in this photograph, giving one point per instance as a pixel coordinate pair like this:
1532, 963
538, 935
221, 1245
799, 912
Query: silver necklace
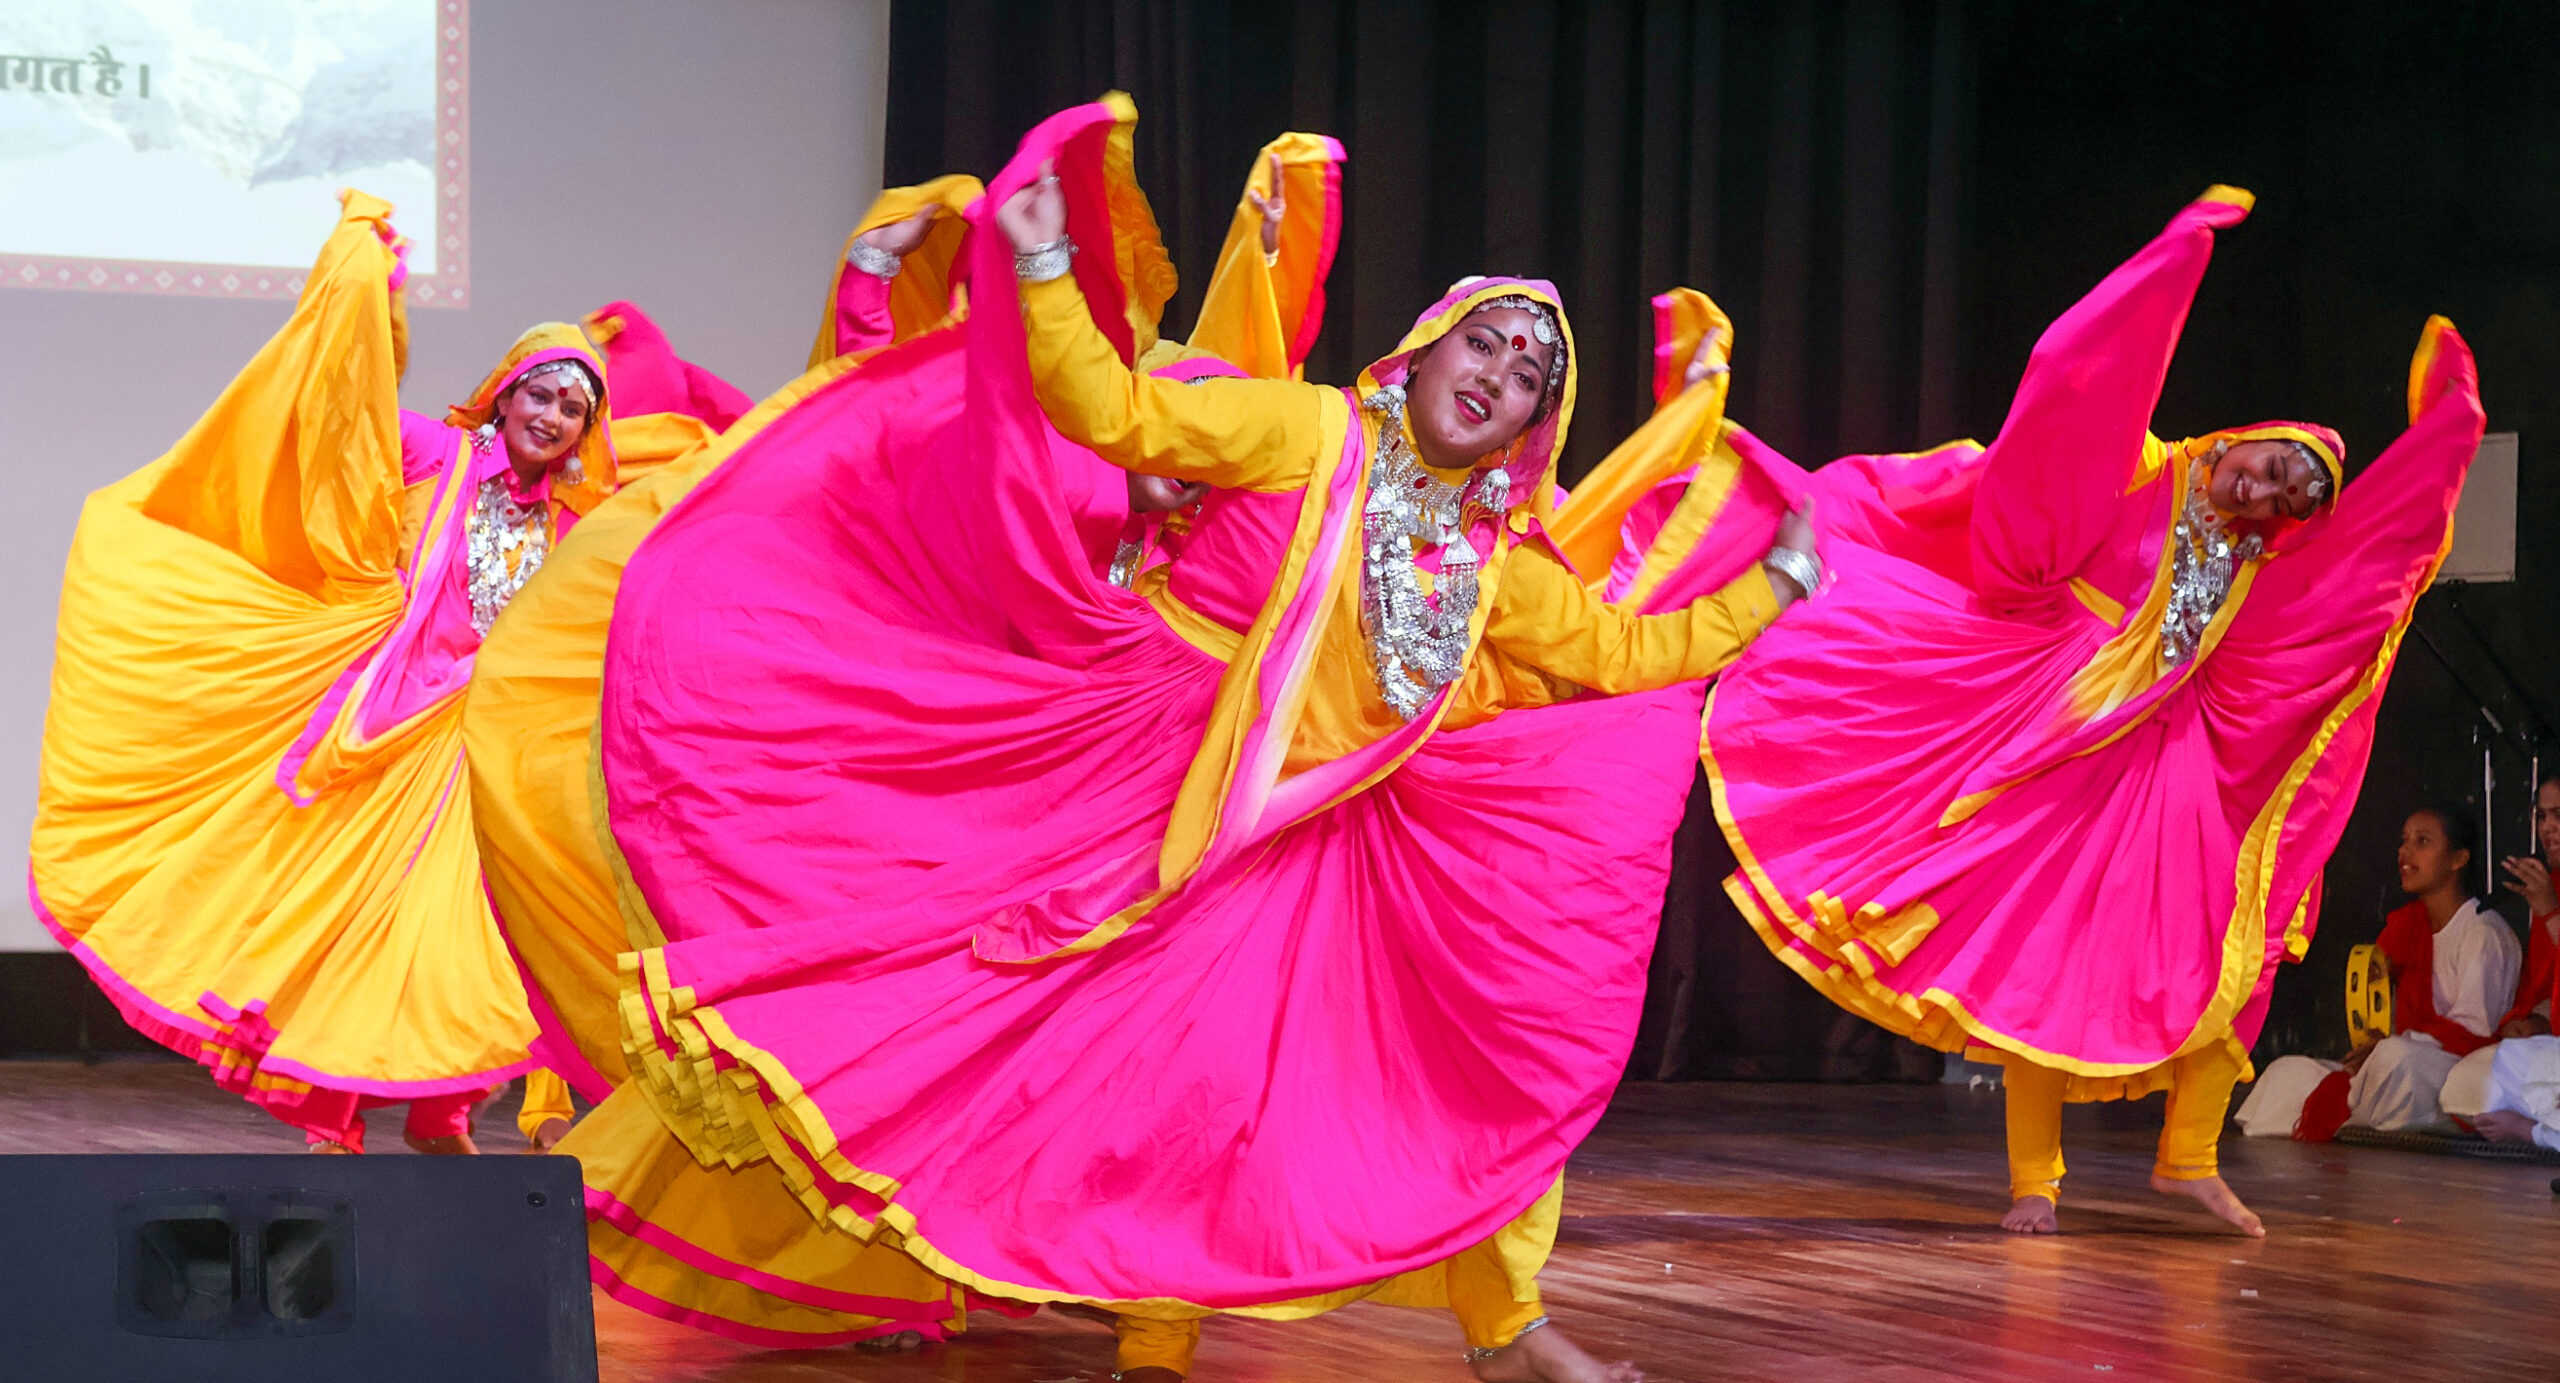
2203, 559
1417, 646
499, 528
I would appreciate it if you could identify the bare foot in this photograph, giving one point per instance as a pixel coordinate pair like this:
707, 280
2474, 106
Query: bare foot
2504, 1126
2031, 1215
451, 1145
1149, 1374
1546, 1356
2214, 1195
548, 1136
892, 1344
333, 1149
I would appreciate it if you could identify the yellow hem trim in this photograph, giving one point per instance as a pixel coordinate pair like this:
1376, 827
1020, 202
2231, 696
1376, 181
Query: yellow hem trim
1850, 980
757, 1110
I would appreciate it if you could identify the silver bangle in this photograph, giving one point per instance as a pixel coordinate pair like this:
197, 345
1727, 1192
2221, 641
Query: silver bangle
1800, 567
872, 260
1041, 263
1481, 1353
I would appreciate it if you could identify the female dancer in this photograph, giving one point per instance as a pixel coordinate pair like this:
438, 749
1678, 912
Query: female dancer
531, 716
2053, 770
254, 823
1258, 940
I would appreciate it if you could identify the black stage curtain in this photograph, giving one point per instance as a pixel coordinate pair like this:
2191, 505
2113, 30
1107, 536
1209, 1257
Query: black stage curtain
1804, 163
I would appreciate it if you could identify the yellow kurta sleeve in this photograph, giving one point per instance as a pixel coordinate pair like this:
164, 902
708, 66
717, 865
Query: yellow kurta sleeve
1549, 620
1240, 434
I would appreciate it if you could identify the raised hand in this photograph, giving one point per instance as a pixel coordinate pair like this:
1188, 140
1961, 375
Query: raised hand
2533, 879
1036, 216
1703, 364
900, 238
1794, 562
1273, 208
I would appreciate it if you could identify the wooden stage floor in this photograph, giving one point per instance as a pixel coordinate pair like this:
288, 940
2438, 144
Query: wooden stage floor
1783, 1232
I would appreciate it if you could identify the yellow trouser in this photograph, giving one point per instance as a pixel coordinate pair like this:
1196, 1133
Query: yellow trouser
2199, 1097
1152, 1344
546, 1097
1480, 1295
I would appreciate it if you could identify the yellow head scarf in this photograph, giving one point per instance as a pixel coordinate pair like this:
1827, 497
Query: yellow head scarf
594, 456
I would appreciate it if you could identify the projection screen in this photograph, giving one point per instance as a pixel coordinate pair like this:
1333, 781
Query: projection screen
196, 147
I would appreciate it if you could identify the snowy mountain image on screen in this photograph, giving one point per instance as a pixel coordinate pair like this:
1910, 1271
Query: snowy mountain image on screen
212, 131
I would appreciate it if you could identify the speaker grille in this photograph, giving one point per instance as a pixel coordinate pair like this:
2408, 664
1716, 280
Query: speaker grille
185, 1273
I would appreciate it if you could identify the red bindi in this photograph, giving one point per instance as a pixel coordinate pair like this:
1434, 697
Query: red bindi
1519, 343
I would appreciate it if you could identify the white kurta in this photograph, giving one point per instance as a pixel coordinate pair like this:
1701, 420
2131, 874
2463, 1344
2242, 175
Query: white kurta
2524, 1076
2477, 960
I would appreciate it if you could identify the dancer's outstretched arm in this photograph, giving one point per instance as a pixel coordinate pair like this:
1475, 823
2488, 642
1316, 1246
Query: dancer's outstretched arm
1549, 619
1245, 434
2074, 436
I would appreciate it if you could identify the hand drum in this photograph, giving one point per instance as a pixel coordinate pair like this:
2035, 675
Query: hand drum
2368, 996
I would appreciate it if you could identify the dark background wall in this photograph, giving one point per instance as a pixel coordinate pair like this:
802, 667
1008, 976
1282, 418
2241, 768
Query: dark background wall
1803, 162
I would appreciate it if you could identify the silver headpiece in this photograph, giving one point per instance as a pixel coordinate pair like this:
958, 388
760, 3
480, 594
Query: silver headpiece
1543, 325
2319, 486
577, 372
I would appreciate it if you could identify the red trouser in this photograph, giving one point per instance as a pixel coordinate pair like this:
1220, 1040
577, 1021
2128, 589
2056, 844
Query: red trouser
337, 1116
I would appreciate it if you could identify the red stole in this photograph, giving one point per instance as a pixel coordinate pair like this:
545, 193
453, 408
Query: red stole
2409, 939
2541, 970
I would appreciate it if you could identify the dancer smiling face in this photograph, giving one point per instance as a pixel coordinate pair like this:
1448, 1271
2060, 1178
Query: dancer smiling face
1475, 390
2267, 480
543, 416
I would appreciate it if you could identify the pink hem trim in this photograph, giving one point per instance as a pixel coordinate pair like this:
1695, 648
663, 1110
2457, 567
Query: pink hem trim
602, 1205
397, 1090
158, 1022
1661, 346
187, 1034
762, 1336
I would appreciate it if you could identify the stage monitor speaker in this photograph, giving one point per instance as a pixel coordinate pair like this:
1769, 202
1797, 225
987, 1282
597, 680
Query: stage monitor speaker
2484, 521
294, 1269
